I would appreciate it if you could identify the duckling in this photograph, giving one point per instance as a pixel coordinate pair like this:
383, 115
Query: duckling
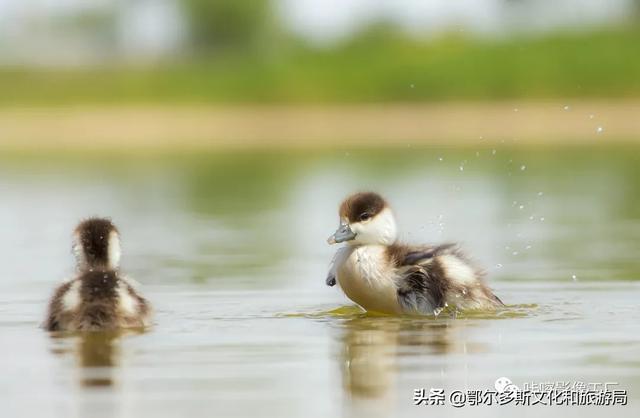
99, 297
382, 275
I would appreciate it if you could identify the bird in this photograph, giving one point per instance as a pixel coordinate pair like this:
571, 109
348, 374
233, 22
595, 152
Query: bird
383, 275
99, 297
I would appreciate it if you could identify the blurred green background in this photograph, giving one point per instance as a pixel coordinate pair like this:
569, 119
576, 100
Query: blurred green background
286, 51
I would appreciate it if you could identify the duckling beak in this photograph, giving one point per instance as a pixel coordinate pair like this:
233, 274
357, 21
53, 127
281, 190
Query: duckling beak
344, 233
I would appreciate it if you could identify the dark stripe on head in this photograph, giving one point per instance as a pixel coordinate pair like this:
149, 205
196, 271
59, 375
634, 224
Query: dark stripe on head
362, 206
93, 235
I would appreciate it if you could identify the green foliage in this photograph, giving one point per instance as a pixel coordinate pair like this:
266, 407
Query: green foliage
378, 65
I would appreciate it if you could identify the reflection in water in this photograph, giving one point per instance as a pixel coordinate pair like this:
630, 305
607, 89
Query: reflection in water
372, 344
96, 354
373, 348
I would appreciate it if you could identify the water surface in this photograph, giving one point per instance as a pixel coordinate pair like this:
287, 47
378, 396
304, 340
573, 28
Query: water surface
231, 249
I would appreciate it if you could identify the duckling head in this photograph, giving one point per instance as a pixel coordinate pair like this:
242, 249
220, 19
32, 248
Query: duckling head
365, 219
96, 244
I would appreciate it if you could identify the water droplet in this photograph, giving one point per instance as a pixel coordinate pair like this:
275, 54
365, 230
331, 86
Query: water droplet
542, 219
412, 85
599, 129
461, 168
531, 218
514, 253
523, 167
574, 277
493, 152
521, 207
481, 138
540, 193
515, 109
440, 159
477, 153
591, 116
499, 265
566, 107
528, 247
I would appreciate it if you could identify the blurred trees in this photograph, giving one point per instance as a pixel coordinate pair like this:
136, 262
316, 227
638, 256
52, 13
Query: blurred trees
230, 25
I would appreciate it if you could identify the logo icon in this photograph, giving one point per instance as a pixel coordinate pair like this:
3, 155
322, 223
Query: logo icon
505, 385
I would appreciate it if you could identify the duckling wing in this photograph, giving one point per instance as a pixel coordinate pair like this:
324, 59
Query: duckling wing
419, 291
338, 258
331, 279
431, 277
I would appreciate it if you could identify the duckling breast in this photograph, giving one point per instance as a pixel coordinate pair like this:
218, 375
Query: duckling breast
368, 279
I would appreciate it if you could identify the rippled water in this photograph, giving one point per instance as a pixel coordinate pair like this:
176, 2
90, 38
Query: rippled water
231, 250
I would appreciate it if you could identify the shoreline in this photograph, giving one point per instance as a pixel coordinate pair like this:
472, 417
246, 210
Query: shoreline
203, 127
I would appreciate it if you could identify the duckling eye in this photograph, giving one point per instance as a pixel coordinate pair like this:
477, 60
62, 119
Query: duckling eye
365, 216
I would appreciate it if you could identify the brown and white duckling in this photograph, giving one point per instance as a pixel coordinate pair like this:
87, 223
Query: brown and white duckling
100, 297
384, 276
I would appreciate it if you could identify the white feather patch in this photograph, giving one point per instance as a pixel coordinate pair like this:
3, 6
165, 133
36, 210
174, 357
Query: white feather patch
457, 270
380, 230
114, 250
127, 303
78, 251
71, 298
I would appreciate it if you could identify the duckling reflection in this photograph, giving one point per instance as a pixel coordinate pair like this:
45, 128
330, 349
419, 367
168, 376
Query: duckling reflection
372, 345
97, 354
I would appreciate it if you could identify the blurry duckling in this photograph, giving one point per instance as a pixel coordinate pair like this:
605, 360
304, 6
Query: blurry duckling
385, 276
99, 297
